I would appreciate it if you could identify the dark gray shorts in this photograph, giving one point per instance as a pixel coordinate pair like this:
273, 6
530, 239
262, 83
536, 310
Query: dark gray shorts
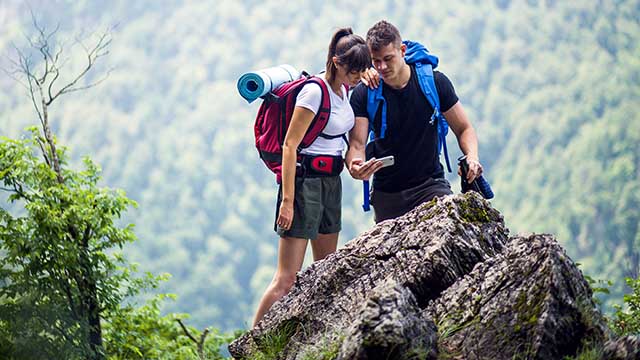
317, 207
391, 205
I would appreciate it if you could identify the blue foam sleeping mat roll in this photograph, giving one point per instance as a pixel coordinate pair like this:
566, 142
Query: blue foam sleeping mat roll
255, 84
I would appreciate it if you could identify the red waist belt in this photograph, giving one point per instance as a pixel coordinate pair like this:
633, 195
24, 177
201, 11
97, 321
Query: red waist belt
320, 165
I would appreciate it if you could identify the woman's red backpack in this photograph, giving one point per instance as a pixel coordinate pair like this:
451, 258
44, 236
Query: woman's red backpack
274, 117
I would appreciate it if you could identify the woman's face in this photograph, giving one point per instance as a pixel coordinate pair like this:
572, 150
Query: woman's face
351, 78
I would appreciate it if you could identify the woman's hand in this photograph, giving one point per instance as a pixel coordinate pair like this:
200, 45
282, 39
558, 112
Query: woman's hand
285, 215
370, 78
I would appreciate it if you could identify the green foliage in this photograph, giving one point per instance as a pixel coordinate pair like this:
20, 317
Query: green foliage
143, 333
627, 317
56, 268
598, 287
587, 352
46, 267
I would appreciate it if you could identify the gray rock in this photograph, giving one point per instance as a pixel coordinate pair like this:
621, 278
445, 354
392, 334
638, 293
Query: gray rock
425, 251
389, 326
624, 348
530, 302
444, 281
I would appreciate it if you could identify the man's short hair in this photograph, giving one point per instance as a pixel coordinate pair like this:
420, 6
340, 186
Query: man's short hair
382, 34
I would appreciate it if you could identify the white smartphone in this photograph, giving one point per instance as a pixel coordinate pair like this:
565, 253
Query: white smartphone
387, 161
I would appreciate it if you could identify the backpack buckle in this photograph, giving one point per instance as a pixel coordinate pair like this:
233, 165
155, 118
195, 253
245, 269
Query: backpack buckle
434, 116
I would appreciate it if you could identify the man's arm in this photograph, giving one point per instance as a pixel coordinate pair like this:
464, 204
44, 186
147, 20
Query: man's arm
467, 138
358, 168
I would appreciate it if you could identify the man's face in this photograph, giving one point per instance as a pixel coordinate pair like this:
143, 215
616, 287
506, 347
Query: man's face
388, 60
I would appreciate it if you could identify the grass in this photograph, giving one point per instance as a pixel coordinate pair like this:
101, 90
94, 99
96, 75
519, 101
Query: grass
272, 344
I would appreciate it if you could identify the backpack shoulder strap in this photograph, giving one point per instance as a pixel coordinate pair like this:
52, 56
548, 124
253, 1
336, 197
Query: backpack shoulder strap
321, 119
428, 87
325, 101
374, 99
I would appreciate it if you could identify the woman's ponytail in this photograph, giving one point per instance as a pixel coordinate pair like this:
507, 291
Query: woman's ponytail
333, 45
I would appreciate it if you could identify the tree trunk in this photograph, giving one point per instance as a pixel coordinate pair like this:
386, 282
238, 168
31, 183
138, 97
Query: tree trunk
49, 137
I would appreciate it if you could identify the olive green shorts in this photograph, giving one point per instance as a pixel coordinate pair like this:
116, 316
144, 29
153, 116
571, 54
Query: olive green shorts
317, 207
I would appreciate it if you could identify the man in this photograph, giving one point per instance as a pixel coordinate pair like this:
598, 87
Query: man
417, 175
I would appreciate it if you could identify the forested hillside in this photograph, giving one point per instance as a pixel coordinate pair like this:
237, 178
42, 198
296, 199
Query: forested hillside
552, 88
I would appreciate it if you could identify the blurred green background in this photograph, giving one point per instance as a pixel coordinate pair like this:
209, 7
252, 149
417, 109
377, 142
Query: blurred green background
552, 88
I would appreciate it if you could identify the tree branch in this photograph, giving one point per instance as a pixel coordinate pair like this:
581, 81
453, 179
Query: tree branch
203, 336
86, 235
99, 50
90, 85
186, 331
44, 152
12, 75
199, 343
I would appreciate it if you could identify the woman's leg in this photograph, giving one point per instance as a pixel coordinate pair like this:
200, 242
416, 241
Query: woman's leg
290, 257
324, 245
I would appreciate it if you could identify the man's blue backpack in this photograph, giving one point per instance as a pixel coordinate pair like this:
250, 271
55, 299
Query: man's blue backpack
424, 62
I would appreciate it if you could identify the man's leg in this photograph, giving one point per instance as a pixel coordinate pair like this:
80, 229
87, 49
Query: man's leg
431, 189
392, 205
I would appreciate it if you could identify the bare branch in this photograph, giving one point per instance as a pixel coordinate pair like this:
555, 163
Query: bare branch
203, 337
90, 85
12, 75
55, 77
99, 50
34, 20
186, 331
43, 43
25, 64
56, 69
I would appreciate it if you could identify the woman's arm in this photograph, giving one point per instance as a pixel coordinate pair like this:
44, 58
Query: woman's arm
300, 122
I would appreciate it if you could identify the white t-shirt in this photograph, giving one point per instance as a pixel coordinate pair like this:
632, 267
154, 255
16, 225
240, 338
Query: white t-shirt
341, 119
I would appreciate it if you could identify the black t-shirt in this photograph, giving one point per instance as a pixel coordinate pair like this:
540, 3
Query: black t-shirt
409, 137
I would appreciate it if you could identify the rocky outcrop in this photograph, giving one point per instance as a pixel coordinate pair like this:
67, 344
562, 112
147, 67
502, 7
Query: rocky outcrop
390, 324
443, 281
529, 302
625, 348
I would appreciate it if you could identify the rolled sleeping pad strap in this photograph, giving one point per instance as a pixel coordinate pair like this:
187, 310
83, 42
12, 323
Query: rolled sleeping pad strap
255, 84
485, 188
365, 195
479, 185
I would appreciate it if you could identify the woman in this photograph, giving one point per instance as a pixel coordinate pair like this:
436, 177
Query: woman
309, 205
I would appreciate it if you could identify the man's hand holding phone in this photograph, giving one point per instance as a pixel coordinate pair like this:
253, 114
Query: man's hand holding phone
362, 170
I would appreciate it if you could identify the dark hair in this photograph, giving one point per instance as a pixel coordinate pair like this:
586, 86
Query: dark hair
382, 34
351, 51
